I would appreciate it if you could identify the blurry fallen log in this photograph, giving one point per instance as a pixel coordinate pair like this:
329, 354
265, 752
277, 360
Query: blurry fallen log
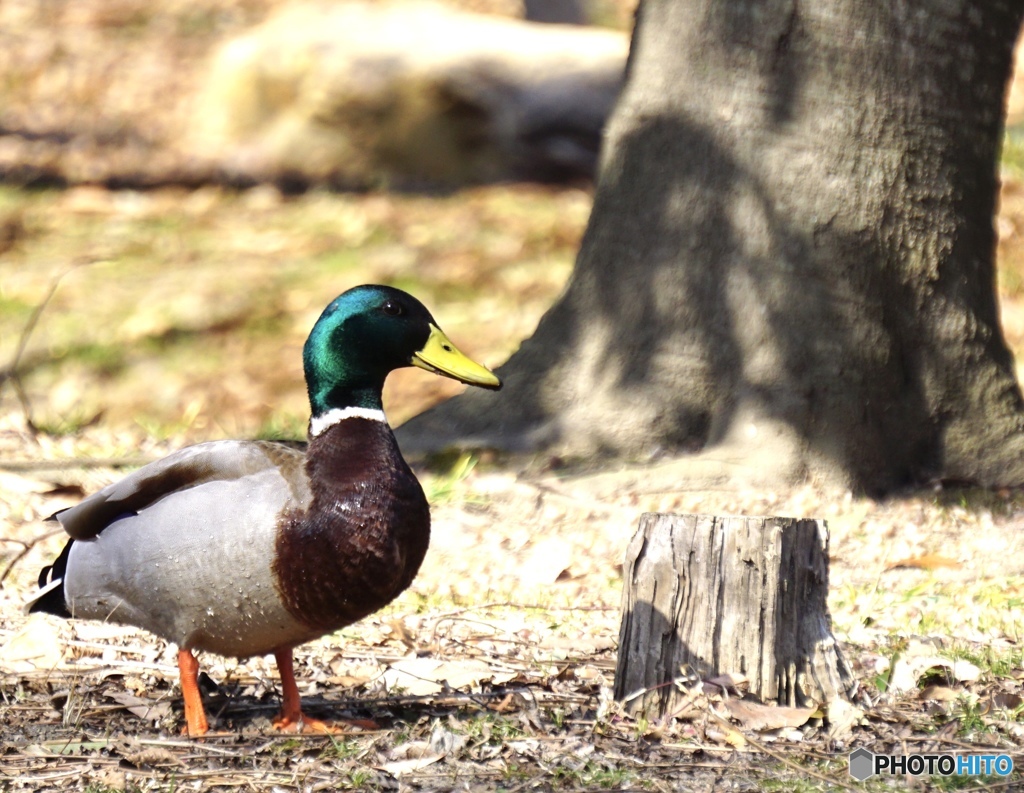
405, 94
718, 595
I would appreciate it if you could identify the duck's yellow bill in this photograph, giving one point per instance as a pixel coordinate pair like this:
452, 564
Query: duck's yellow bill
440, 356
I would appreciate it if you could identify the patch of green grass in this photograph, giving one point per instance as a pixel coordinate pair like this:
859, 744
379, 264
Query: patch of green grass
998, 662
282, 427
897, 645
933, 606
359, 779
444, 488
969, 713
339, 260
418, 602
156, 428
13, 198
491, 729
1013, 151
288, 747
194, 23
342, 749
132, 23
593, 775
105, 360
978, 499
515, 774
414, 285
402, 735
180, 284
809, 785
784, 780
944, 783
14, 309
69, 423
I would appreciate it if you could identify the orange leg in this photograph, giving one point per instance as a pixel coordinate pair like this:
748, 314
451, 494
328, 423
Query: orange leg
195, 716
290, 718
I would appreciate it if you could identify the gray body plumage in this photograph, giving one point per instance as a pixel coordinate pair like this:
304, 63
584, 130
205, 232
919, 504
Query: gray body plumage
183, 548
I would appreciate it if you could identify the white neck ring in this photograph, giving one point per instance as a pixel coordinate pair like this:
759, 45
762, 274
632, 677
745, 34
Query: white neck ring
324, 421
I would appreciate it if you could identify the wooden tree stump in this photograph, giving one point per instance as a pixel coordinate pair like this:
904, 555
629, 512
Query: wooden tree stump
723, 595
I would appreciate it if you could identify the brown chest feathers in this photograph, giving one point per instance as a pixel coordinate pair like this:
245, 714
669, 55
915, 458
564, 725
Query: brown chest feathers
364, 535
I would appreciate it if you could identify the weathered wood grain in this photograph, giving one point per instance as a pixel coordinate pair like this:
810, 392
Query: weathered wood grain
718, 595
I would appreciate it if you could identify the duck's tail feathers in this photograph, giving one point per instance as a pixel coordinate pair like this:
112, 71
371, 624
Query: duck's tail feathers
50, 597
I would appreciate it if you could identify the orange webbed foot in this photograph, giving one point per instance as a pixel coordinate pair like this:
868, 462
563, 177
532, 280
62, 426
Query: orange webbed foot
305, 725
290, 719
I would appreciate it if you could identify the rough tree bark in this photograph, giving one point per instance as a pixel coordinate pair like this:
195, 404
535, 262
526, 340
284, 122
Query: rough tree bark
733, 595
790, 259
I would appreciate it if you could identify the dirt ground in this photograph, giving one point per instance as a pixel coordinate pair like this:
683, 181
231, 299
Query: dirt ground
494, 671
177, 315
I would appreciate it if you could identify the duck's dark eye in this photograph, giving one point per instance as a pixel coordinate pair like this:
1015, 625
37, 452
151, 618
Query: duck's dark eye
392, 308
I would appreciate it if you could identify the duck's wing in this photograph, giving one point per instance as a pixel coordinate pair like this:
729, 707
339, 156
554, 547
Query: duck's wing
216, 461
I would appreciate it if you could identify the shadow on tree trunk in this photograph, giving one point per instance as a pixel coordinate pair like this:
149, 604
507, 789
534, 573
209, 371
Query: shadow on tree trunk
788, 268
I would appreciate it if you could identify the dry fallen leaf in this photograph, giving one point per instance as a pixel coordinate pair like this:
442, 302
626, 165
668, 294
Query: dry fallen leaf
841, 716
400, 767
756, 716
723, 733
1003, 700
414, 755
426, 676
908, 671
151, 756
402, 633
937, 693
112, 779
36, 646
145, 709
545, 562
346, 674
588, 672
930, 561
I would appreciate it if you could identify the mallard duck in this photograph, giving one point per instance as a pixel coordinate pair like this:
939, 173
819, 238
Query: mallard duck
246, 548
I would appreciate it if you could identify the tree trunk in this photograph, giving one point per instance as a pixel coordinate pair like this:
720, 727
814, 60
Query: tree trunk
790, 259
728, 595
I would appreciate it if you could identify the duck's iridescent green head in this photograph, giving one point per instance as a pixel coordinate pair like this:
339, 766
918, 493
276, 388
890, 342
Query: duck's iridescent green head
368, 332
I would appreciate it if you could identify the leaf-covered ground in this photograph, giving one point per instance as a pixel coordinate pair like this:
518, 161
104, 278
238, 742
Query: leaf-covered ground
494, 671
173, 315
